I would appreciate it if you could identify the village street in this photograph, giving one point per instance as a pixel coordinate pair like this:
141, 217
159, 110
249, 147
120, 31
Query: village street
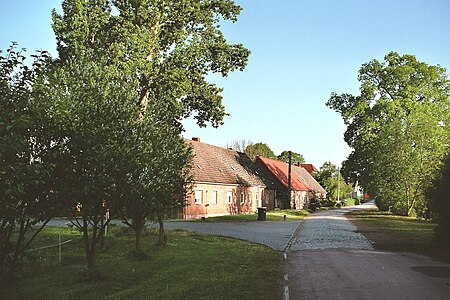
326, 258
329, 259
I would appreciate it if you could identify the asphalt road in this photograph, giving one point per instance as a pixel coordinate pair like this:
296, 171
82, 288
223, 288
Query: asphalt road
329, 259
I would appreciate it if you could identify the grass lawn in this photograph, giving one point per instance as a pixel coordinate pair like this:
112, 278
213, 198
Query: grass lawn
271, 215
408, 233
192, 266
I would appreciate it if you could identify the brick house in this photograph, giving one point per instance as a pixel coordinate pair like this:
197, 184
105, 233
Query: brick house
225, 182
303, 185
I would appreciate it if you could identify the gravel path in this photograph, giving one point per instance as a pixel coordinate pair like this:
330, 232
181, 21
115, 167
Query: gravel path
329, 230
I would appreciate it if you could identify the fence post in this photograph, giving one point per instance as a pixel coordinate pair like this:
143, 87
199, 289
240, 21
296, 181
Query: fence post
59, 256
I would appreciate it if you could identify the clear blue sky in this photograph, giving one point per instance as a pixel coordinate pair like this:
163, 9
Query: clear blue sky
301, 52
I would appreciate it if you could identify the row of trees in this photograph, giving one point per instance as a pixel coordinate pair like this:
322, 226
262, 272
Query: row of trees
398, 129
262, 149
97, 129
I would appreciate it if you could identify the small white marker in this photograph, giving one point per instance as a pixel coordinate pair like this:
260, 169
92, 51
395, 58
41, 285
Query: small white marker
285, 256
286, 293
286, 277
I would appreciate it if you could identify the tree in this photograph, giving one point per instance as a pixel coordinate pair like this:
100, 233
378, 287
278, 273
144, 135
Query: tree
439, 197
239, 145
169, 46
90, 107
398, 130
155, 176
259, 149
295, 157
328, 179
27, 196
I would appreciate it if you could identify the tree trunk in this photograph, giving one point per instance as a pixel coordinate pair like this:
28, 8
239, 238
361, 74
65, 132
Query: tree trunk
90, 244
162, 234
138, 228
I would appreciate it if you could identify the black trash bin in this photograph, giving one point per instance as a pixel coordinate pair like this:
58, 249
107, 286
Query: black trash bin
262, 213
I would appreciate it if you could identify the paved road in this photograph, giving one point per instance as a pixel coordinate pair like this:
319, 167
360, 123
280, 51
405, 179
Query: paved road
273, 234
276, 235
328, 259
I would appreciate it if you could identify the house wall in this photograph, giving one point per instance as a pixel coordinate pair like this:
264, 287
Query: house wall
252, 196
301, 198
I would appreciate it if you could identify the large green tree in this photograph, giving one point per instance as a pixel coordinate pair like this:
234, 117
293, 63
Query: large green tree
170, 46
91, 115
398, 129
295, 157
165, 50
259, 149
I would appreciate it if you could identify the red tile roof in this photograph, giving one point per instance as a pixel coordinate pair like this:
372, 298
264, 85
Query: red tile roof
280, 170
309, 167
212, 164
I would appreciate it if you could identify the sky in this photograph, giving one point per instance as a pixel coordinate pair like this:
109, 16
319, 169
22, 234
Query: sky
301, 52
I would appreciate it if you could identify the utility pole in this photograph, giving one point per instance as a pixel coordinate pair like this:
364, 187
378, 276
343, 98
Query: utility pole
289, 178
339, 183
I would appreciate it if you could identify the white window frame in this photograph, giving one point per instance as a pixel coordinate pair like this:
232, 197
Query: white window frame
229, 197
250, 195
242, 198
198, 196
214, 197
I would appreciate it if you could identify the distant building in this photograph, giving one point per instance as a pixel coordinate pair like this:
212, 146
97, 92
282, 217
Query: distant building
225, 182
303, 185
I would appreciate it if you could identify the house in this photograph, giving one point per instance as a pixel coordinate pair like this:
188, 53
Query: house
315, 189
225, 182
303, 185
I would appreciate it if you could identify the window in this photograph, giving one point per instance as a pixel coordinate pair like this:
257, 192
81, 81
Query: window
214, 197
229, 197
250, 195
198, 197
267, 198
242, 198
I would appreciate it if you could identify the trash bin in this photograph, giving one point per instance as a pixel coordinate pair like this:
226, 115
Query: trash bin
262, 213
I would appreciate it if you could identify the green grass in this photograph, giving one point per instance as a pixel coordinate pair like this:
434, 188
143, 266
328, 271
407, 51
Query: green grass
191, 266
350, 202
272, 215
417, 231
416, 235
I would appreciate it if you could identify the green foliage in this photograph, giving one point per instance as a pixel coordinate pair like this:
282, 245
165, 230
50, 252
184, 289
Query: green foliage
295, 157
398, 130
163, 51
170, 45
26, 180
259, 149
439, 197
328, 179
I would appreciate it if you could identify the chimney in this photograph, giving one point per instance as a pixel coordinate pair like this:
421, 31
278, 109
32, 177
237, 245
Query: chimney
196, 139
